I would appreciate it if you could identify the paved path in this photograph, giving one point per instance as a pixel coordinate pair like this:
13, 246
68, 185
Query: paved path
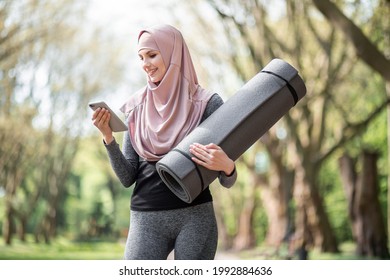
226, 256
218, 256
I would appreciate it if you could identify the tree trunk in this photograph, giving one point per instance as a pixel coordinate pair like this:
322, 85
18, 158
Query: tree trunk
8, 224
276, 192
12, 178
225, 241
386, 37
349, 179
310, 206
245, 237
276, 199
300, 241
365, 212
372, 237
22, 228
388, 156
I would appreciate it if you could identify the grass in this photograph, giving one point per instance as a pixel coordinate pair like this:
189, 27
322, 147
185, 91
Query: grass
347, 252
62, 249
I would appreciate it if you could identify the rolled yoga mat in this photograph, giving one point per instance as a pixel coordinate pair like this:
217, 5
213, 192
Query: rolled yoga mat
235, 126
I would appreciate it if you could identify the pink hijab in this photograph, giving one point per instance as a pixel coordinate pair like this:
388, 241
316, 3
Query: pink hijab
160, 116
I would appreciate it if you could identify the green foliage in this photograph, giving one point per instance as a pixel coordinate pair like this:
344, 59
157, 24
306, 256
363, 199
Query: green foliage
91, 203
335, 199
46, 82
52, 63
260, 225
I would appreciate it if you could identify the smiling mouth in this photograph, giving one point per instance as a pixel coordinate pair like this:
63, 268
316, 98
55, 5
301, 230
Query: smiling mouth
152, 72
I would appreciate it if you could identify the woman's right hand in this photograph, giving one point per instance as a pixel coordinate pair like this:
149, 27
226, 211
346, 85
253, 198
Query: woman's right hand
101, 118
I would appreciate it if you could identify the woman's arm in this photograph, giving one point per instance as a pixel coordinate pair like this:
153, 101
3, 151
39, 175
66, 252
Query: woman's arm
125, 165
212, 157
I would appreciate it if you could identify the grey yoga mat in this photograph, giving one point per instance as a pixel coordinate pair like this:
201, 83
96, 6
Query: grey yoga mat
235, 126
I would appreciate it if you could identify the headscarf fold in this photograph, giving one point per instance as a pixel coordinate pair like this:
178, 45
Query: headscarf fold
160, 116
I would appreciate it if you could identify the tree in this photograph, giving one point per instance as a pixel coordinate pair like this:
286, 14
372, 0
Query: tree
366, 50
49, 63
258, 54
14, 161
362, 191
328, 66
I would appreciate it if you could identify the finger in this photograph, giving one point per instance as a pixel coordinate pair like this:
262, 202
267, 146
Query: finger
105, 118
100, 112
102, 119
213, 146
199, 152
96, 113
200, 162
201, 148
198, 145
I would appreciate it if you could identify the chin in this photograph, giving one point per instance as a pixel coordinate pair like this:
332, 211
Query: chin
156, 81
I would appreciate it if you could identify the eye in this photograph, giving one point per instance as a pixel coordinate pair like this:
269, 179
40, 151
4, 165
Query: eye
140, 57
153, 55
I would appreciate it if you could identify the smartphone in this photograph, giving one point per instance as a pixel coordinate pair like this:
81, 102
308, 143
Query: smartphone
116, 123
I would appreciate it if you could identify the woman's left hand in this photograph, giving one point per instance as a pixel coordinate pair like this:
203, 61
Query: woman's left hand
212, 157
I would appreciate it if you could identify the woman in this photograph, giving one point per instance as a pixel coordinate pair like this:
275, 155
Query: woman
159, 116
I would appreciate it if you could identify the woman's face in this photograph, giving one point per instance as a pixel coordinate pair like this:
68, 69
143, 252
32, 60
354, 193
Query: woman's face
153, 64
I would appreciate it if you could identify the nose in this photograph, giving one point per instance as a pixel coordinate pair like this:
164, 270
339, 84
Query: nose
145, 63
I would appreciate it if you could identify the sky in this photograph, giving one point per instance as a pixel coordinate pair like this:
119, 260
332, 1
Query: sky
126, 17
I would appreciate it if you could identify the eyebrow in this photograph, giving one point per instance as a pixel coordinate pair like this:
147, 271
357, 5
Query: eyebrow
148, 52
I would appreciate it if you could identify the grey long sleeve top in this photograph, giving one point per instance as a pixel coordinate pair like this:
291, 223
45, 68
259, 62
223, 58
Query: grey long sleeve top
150, 193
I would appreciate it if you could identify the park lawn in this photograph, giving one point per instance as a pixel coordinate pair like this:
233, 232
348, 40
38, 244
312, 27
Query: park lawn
347, 252
62, 249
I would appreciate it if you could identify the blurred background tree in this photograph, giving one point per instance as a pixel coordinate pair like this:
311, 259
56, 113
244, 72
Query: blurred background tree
330, 117
313, 182
50, 69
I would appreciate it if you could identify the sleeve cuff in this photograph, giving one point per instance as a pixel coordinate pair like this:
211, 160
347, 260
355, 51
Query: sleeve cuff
228, 181
113, 142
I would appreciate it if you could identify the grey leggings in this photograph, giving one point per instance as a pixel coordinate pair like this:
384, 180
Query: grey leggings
191, 232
